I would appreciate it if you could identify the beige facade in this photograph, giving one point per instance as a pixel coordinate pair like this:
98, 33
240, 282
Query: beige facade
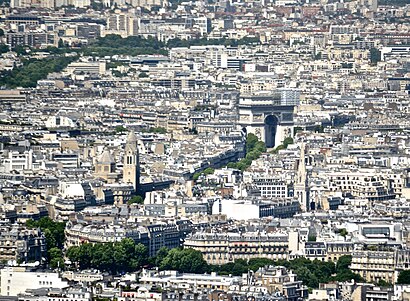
131, 161
105, 168
224, 248
374, 266
337, 249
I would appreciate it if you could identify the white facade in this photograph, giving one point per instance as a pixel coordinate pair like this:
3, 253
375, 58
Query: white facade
394, 51
16, 280
59, 121
173, 278
271, 186
239, 210
71, 190
18, 161
87, 68
204, 25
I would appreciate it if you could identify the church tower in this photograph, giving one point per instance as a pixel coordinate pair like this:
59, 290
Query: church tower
131, 169
301, 187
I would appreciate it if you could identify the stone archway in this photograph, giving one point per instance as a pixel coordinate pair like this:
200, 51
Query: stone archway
271, 123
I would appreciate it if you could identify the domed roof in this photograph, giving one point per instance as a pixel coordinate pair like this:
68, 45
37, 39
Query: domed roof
105, 158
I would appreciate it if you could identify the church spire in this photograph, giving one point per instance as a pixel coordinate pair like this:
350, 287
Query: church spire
131, 138
302, 165
301, 187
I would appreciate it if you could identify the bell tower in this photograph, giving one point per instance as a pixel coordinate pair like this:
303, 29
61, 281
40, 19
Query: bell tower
131, 169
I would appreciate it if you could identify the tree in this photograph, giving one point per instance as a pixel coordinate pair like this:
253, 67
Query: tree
404, 277
123, 256
343, 232
343, 270
312, 238
239, 267
33, 70
61, 43
120, 129
1, 32
260, 146
311, 273
184, 260
242, 165
55, 237
307, 276
177, 42
116, 45
347, 275
209, 171
287, 141
20, 50
136, 199
196, 176
254, 148
343, 263
56, 258
143, 75
251, 141
383, 283
161, 254
53, 231
231, 165
256, 263
278, 148
253, 155
4, 48
158, 130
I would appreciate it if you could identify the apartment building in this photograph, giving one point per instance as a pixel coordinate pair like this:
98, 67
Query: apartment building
277, 278
17, 161
368, 185
21, 244
221, 248
122, 24
273, 186
166, 279
376, 265
255, 209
